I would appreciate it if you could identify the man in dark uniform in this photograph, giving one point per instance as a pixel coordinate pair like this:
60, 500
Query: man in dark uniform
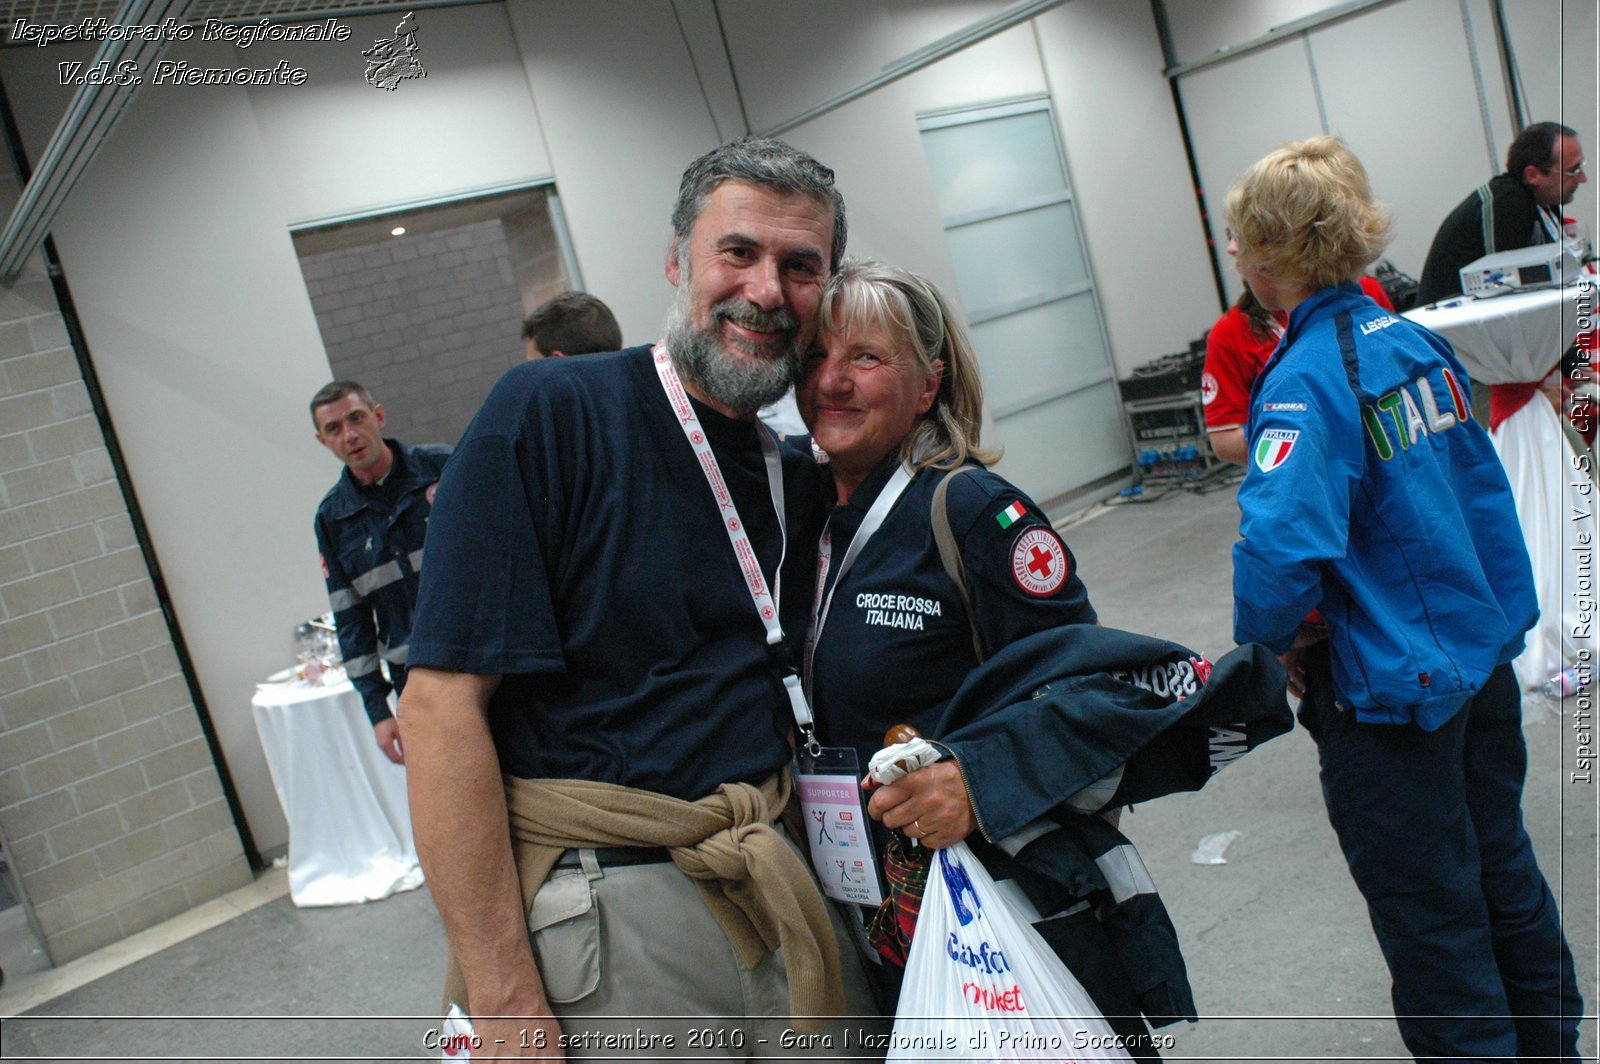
601, 623
370, 528
1516, 209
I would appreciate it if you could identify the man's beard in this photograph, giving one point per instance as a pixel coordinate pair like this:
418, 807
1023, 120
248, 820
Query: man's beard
745, 385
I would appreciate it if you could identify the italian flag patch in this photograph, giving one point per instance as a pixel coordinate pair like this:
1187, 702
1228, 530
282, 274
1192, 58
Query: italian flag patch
1010, 515
1272, 450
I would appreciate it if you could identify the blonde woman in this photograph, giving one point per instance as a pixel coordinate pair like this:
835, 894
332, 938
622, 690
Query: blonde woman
1371, 494
891, 393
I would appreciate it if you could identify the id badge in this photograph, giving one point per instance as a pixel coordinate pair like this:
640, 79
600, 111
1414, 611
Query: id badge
838, 833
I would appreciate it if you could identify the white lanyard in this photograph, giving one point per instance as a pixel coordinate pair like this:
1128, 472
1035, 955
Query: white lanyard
876, 514
1553, 227
766, 603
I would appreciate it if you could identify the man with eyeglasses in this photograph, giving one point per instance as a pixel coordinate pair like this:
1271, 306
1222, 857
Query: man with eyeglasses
1516, 209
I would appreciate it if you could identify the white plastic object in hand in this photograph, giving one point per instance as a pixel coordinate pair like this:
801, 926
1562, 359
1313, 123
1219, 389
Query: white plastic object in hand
456, 1037
892, 762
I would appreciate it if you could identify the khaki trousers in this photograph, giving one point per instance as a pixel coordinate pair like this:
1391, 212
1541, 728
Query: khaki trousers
636, 968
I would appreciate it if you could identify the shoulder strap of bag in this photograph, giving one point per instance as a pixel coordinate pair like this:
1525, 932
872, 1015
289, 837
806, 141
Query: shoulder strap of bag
950, 551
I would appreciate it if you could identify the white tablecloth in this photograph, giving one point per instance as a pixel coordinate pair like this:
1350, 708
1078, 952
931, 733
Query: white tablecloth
349, 824
1519, 338
1511, 338
1555, 504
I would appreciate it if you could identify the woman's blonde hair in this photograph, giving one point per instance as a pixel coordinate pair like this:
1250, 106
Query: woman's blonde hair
864, 293
1305, 212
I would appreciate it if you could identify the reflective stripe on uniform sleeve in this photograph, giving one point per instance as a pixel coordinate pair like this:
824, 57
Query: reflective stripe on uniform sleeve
415, 558
396, 655
342, 599
1094, 797
1125, 872
365, 665
1012, 844
373, 579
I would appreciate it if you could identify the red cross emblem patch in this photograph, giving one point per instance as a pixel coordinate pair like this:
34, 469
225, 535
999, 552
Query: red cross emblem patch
1039, 562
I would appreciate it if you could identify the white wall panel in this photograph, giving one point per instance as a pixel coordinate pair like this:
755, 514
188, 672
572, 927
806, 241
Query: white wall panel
618, 100
1397, 82
1053, 346
190, 295
1004, 67
1130, 176
1380, 74
1076, 440
1556, 43
919, 23
1238, 111
1479, 18
790, 57
1201, 27
337, 144
713, 74
875, 150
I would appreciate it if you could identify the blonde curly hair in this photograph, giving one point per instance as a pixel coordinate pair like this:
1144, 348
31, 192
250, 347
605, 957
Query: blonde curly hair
1305, 212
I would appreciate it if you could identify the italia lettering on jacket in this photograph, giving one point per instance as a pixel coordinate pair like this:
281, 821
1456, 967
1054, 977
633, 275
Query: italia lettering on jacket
1408, 413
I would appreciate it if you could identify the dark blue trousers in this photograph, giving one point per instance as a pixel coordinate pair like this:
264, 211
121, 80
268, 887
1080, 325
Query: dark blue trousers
1431, 826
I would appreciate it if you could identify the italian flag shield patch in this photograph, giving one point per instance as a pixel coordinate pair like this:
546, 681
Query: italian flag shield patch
1274, 447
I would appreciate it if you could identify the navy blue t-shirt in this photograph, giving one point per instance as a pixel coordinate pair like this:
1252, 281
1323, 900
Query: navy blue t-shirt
576, 550
897, 642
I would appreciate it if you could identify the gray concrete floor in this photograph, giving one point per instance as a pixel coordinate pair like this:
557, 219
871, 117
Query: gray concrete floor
1280, 953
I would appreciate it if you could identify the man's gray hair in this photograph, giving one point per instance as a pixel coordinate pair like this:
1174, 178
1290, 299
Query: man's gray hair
765, 163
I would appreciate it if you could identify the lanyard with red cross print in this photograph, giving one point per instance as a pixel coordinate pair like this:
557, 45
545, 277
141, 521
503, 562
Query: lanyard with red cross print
838, 835
766, 602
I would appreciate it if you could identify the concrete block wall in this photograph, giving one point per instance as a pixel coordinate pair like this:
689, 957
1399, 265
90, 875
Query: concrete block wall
428, 322
111, 807
535, 258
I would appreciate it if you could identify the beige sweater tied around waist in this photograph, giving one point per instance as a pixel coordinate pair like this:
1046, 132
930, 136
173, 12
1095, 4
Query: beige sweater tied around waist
758, 889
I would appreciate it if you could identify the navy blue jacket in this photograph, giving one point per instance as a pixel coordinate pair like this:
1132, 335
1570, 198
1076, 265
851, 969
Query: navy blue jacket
1071, 720
370, 539
1372, 494
1082, 707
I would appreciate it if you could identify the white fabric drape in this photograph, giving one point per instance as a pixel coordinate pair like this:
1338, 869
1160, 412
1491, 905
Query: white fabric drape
349, 823
1555, 499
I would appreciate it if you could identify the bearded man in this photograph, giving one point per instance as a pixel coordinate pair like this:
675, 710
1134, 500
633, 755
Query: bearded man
602, 656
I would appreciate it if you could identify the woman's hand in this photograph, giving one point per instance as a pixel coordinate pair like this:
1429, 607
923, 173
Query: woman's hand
930, 805
1308, 635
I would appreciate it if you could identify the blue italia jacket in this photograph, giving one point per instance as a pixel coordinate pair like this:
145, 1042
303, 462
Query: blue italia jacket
1371, 493
370, 539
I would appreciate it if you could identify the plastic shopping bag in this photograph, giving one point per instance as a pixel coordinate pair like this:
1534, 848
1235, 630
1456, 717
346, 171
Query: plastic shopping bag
981, 984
